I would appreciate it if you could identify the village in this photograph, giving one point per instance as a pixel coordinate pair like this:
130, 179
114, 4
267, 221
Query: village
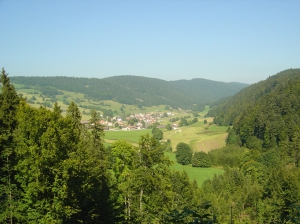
137, 121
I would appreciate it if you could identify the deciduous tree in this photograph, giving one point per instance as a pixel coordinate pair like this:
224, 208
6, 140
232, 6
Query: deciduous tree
183, 153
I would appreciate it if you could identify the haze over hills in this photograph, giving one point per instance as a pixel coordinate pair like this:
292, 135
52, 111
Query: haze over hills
141, 91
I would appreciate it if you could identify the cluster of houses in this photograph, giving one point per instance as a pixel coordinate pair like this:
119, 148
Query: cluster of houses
141, 121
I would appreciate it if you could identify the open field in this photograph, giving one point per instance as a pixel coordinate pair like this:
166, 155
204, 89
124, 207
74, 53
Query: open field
130, 136
194, 173
200, 136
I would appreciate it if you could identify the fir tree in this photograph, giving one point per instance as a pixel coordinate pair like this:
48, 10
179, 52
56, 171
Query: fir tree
9, 192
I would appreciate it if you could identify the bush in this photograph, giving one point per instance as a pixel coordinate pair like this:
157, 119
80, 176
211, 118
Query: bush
183, 153
201, 159
167, 147
168, 127
47, 104
157, 133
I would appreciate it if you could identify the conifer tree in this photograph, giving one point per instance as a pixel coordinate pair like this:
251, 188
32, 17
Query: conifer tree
74, 114
9, 102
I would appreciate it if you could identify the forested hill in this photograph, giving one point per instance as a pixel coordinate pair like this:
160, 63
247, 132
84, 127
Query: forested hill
264, 115
264, 185
141, 91
231, 110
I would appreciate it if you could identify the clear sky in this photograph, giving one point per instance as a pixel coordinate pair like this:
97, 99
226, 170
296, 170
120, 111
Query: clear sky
221, 40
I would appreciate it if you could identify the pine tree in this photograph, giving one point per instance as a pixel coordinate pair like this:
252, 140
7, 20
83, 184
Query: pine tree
74, 114
9, 192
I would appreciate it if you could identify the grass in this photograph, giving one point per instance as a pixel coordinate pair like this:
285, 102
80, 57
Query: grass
130, 136
200, 136
194, 173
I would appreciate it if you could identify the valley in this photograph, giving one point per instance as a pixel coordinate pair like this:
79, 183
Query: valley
242, 153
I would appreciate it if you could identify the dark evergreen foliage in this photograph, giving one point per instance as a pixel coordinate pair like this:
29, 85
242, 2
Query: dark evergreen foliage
229, 156
232, 108
9, 188
261, 182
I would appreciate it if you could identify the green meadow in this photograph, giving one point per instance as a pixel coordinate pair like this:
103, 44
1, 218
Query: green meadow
130, 136
195, 173
200, 136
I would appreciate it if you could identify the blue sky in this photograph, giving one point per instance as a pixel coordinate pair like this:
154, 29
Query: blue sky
241, 41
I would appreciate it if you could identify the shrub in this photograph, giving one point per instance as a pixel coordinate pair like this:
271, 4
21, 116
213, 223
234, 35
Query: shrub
201, 159
183, 153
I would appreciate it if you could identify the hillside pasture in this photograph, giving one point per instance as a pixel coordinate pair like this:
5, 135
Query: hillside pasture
200, 136
194, 173
82, 102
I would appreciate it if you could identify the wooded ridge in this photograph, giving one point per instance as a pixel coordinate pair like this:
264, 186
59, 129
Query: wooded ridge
141, 91
261, 182
231, 109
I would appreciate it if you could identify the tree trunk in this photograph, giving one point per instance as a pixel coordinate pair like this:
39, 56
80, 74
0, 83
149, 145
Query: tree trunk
128, 204
10, 195
141, 203
125, 205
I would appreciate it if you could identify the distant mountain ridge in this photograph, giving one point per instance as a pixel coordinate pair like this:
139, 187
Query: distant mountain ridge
141, 91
